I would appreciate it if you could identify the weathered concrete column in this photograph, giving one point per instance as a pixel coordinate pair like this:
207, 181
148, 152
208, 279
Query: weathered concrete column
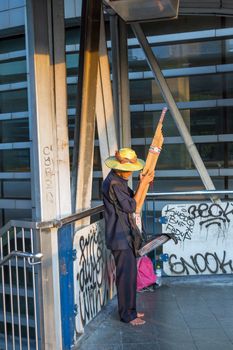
49, 150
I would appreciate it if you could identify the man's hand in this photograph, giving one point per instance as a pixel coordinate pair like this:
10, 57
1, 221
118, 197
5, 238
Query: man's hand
146, 179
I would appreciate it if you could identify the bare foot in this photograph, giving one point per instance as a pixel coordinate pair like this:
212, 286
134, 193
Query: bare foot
137, 322
140, 314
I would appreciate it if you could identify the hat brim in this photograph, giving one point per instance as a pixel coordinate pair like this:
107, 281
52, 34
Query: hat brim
112, 163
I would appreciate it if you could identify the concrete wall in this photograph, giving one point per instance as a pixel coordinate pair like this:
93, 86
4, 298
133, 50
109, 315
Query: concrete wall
94, 273
205, 235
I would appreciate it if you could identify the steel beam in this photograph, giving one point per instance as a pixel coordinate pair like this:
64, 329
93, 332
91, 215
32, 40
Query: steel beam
120, 80
191, 147
124, 83
104, 104
49, 151
86, 140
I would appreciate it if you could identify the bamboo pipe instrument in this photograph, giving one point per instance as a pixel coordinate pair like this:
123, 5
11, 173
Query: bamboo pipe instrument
152, 157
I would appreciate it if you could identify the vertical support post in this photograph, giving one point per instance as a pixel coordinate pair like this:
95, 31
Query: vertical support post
120, 79
74, 173
115, 72
124, 83
89, 86
49, 150
66, 258
191, 147
104, 104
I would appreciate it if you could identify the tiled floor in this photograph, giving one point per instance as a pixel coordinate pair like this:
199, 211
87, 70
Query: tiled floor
184, 314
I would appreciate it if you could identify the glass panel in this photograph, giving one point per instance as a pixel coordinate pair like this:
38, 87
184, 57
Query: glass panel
17, 214
176, 156
206, 121
194, 54
16, 43
212, 154
72, 61
230, 155
72, 36
178, 184
13, 71
17, 189
228, 48
178, 55
230, 185
13, 101
1, 224
96, 189
16, 130
183, 89
72, 91
97, 159
172, 156
228, 91
71, 123
16, 160
185, 24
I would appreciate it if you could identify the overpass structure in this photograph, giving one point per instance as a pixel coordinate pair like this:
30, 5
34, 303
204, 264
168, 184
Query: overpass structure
80, 80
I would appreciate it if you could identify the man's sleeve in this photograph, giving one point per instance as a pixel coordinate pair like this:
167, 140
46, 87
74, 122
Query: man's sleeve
126, 203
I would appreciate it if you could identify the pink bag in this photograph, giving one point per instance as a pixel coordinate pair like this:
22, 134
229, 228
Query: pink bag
145, 274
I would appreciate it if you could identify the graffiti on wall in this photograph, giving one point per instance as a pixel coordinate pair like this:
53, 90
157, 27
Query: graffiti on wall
94, 273
205, 235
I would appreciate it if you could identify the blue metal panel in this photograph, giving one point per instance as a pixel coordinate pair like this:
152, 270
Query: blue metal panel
65, 243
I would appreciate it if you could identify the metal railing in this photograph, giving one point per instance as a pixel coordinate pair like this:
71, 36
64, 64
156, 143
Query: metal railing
19, 326
150, 209
206, 193
21, 313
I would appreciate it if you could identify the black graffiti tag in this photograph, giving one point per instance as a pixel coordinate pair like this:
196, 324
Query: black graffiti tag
200, 263
96, 271
179, 223
211, 214
90, 277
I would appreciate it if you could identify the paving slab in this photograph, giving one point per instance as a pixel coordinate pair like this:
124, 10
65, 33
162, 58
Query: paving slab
185, 313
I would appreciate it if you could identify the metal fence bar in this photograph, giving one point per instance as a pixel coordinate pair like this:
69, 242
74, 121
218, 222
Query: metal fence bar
17, 288
11, 295
26, 291
34, 292
187, 193
15, 318
4, 298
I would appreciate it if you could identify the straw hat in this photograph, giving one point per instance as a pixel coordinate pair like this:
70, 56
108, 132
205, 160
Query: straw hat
126, 160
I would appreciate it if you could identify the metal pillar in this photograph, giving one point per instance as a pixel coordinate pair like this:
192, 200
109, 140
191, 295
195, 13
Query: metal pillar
120, 79
88, 104
49, 151
191, 147
104, 105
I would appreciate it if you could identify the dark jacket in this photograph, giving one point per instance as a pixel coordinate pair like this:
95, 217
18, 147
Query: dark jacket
114, 232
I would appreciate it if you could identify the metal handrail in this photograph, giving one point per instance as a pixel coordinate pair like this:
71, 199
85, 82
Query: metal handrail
53, 223
187, 193
19, 254
72, 218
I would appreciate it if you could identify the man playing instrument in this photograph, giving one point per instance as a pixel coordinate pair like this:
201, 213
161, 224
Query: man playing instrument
122, 165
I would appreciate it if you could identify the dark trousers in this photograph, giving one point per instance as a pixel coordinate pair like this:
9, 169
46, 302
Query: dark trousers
126, 279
